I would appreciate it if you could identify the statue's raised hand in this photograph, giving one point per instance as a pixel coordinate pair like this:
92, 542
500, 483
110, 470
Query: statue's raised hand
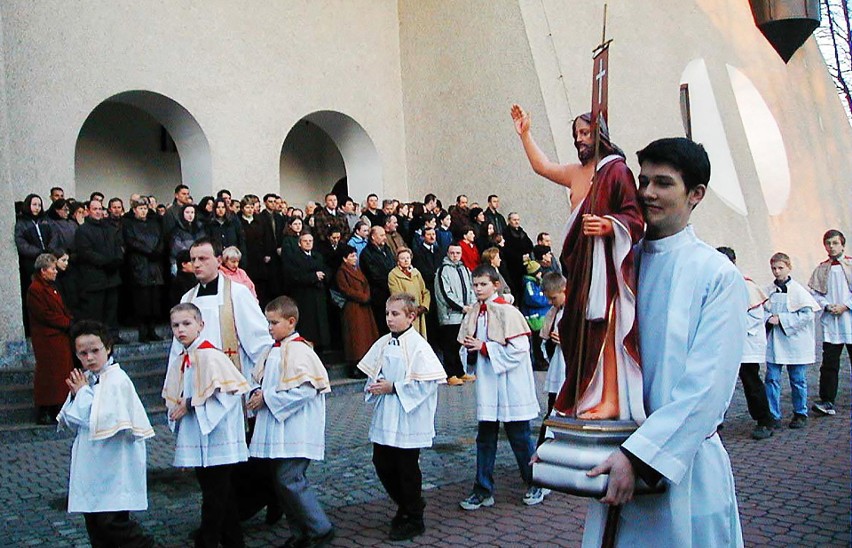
521, 119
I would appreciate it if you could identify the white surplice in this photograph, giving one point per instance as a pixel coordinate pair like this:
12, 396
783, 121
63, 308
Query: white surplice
692, 306
211, 434
836, 329
252, 327
754, 349
505, 386
291, 423
108, 474
792, 342
406, 417
556, 368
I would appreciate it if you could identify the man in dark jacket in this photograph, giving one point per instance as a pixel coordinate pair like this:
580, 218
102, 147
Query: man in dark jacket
428, 256
100, 255
328, 219
376, 262
493, 216
310, 279
518, 248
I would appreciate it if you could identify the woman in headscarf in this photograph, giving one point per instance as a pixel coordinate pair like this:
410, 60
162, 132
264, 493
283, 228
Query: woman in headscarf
32, 238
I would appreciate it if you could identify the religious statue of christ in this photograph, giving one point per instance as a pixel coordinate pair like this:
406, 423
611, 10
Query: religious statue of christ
598, 332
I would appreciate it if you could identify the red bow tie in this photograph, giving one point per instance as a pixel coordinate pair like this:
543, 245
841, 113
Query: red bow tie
834, 262
185, 363
483, 308
277, 344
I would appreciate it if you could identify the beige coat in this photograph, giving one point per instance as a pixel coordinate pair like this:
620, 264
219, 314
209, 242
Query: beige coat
399, 282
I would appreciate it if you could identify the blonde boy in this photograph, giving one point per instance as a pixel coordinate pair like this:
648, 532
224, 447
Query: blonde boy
553, 287
403, 374
203, 396
496, 336
790, 339
289, 398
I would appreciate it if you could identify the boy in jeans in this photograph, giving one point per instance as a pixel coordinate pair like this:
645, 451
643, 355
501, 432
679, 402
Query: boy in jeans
496, 337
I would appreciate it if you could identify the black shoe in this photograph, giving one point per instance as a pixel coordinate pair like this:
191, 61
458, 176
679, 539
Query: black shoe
398, 519
44, 418
316, 542
273, 514
293, 542
761, 432
408, 529
799, 421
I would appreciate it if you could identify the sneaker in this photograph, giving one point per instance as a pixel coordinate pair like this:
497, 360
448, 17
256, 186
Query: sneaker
799, 421
761, 432
475, 502
824, 408
455, 381
468, 378
534, 495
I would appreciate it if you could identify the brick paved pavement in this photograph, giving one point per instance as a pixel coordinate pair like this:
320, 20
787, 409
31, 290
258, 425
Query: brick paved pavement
793, 489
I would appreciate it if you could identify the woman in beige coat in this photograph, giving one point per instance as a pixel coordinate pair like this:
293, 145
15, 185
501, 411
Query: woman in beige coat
407, 279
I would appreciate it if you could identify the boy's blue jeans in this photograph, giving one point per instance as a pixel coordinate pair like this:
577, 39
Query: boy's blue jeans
798, 388
522, 444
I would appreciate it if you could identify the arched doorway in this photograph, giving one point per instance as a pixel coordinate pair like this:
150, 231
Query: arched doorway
141, 141
321, 151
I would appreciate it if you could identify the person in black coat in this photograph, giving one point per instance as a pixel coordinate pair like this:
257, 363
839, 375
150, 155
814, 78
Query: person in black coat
428, 256
225, 228
100, 255
310, 278
376, 262
517, 245
143, 243
260, 250
32, 238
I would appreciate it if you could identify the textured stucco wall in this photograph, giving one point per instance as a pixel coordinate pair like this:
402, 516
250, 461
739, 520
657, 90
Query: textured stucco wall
310, 164
247, 72
463, 65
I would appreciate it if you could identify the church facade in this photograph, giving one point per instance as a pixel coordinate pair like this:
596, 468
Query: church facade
412, 96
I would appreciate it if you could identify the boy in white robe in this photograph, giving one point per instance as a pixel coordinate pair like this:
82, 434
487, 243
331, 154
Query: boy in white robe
203, 392
496, 346
691, 310
403, 374
290, 385
790, 339
831, 285
108, 475
553, 287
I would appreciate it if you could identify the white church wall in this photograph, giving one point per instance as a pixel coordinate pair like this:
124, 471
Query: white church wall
310, 164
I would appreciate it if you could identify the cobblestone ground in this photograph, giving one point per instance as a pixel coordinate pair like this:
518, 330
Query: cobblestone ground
793, 489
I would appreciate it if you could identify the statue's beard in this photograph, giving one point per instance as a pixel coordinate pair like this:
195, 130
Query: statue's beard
585, 153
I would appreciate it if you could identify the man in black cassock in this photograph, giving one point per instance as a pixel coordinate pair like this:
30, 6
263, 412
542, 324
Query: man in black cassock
310, 278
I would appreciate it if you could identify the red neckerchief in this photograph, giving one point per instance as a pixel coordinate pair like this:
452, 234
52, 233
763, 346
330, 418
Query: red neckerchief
185, 363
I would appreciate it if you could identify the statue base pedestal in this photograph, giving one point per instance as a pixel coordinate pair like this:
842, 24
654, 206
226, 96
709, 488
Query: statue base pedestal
577, 447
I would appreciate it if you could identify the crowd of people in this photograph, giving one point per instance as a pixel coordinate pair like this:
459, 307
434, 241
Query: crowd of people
338, 260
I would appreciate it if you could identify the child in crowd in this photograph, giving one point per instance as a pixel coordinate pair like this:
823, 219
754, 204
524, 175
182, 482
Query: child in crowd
534, 306
185, 278
553, 286
790, 339
203, 392
496, 336
831, 285
291, 384
108, 475
403, 374
230, 268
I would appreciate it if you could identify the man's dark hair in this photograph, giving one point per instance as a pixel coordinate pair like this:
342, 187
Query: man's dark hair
268, 196
180, 187
215, 244
485, 271
728, 252
429, 197
460, 196
183, 257
541, 236
491, 197
223, 192
348, 199
539, 251
687, 157
831, 234
96, 194
113, 200
371, 195
53, 188
329, 194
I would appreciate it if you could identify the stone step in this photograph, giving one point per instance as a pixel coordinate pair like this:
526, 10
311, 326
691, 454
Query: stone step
25, 430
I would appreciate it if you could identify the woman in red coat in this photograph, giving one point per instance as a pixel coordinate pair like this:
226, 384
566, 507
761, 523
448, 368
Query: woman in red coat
359, 325
49, 323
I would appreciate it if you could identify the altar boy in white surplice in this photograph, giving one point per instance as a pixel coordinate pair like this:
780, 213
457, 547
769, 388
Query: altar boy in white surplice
289, 388
691, 307
403, 375
108, 456
203, 392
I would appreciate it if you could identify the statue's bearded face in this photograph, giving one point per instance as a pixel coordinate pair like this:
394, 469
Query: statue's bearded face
583, 141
